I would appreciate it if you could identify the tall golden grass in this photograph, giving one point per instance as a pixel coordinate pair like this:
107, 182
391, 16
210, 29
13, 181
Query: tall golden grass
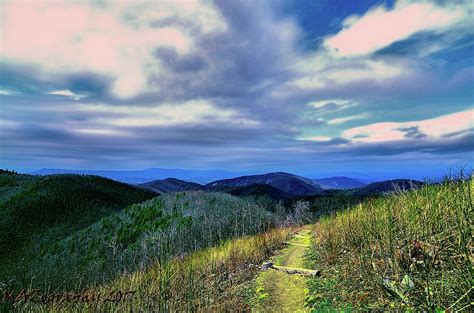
410, 249
205, 281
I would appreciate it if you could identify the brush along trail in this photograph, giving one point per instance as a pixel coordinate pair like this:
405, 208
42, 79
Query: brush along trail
281, 287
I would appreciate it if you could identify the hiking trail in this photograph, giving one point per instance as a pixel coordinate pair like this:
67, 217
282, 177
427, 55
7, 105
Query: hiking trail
279, 291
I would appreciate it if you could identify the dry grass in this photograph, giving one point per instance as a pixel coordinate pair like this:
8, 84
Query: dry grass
206, 281
412, 249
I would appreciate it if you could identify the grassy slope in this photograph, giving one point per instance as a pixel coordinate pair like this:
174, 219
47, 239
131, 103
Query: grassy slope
407, 250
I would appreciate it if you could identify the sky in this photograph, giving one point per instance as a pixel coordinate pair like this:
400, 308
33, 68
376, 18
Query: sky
304, 86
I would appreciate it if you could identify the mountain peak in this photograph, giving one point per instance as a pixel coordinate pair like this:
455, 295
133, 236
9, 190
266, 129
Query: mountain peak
287, 182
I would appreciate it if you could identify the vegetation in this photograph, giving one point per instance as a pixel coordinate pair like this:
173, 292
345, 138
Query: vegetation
216, 279
35, 204
201, 251
12, 183
37, 212
411, 249
141, 234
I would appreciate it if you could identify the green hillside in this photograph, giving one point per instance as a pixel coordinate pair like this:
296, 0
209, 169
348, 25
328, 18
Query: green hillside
12, 183
36, 212
130, 239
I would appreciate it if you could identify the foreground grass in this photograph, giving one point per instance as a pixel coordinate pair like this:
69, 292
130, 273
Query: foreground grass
409, 250
212, 280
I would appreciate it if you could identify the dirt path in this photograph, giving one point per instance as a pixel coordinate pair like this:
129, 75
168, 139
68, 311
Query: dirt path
282, 292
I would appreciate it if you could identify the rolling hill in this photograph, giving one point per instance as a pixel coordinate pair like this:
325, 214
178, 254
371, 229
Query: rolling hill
139, 234
388, 186
339, 182
176, 185
289, 183
172, 185
58, 204
146, 175
259, 190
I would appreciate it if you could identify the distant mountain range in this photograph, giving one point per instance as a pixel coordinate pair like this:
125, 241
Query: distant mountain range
340, 182
172, 185
286, 182
277, 185
283, 186
143, 176
259, 190
325, 179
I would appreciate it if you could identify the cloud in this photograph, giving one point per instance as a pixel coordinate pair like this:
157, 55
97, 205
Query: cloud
346, 119
413, 132
112, 38
218, 83
381, 26
331, 104
191, 112
424, 148
431, 128
367, 70
320, 72
324, 141
6, 92
317, 138
67, 93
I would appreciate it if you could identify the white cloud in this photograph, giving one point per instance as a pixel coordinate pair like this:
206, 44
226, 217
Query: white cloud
432, 128
367, 70
170, 114
100, 132
317, 138
7, 92
380, 27
8, 124
320, 70
310, 82
346, 119
67, 93
112, 38
338, 102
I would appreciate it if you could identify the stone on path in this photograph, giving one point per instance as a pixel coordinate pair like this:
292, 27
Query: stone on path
267, 265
